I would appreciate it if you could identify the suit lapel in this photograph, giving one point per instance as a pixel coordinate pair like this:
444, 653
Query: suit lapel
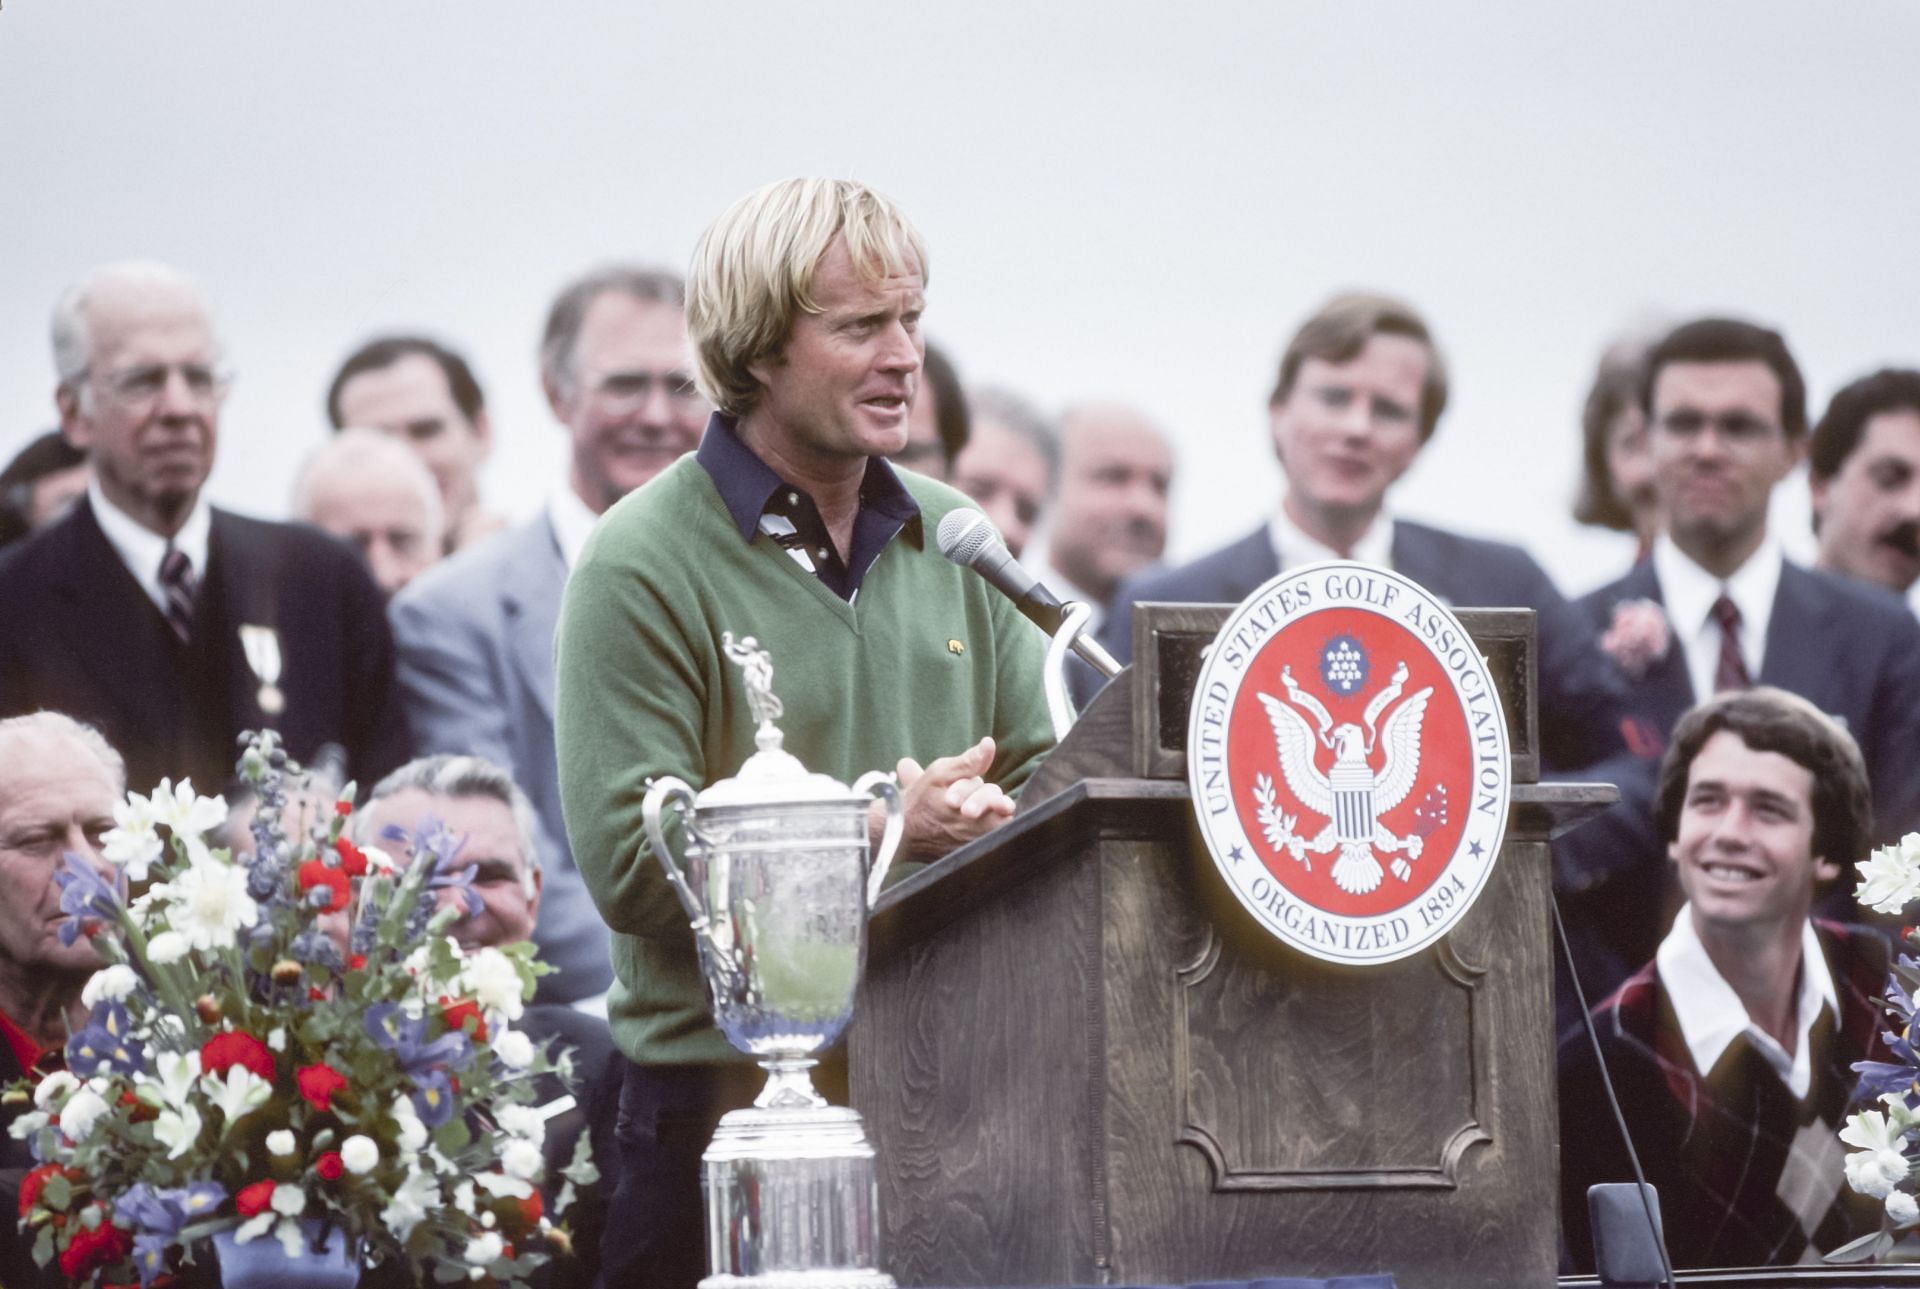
531, 584
1798, 657
244, 580
1666, 690
114, 631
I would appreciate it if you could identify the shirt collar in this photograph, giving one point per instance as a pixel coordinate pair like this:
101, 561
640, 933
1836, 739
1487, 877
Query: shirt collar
1038, 555
1295, 549
1711, 1014
746, 483
1690, 592
141, 549
572, 520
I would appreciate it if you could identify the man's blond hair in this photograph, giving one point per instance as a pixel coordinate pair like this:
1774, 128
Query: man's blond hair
753, 273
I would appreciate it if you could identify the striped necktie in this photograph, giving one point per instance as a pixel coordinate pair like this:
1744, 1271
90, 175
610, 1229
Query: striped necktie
179, 584
1731, 673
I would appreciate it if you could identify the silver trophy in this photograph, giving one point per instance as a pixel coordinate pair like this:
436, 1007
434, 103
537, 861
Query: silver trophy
777, 887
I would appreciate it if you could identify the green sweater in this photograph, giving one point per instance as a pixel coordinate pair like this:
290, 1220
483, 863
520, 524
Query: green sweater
926, 661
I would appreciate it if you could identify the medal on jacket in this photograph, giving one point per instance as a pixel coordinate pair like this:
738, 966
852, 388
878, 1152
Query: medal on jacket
262, 647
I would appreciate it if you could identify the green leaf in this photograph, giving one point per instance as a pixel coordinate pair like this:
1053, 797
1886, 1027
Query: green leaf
1865, 1249
580, 1169
43, 1246
452, 1136
57, 1193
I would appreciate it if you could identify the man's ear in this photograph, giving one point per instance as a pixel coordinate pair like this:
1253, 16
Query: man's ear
1824, 869
483, 430
1673, 852
556, 399
73, 422
533, 904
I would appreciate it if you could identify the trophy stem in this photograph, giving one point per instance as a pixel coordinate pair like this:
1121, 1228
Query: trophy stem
789, 1084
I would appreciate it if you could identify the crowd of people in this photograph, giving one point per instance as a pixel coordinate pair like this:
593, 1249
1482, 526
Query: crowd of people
777, 411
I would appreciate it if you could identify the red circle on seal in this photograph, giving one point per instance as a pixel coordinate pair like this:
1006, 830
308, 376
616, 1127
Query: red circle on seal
1334, 775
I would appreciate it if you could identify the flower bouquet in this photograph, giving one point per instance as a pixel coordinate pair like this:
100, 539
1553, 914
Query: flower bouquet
287, 1048
1886, 1141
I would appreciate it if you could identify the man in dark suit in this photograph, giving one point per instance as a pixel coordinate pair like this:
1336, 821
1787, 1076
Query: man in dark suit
169, 624
1361, 388
475, 634
1717, 606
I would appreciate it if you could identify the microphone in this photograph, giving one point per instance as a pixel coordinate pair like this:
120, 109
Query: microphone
969, 539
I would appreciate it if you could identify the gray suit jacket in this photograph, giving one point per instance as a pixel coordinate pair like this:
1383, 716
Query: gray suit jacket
475, 642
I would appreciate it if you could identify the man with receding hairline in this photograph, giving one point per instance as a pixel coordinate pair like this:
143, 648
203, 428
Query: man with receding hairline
789, 526
171, 624
375, 494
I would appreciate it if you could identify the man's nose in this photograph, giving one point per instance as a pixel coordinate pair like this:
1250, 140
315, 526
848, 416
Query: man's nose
82, 845
176, 397
902, 351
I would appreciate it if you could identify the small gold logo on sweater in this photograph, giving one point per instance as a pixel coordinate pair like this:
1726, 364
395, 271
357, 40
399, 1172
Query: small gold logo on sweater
955, 647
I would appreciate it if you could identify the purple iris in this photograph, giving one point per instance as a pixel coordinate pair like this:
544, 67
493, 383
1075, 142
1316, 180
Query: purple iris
106, 1044
85, 896
158, 1216
434, 842
395, 1031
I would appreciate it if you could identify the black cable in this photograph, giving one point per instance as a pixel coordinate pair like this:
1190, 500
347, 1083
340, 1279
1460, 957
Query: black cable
1613, 1103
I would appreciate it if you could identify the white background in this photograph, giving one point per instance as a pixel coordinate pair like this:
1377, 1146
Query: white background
1123, 200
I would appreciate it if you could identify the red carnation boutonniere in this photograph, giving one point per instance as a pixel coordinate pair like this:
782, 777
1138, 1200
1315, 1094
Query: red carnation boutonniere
1638, 638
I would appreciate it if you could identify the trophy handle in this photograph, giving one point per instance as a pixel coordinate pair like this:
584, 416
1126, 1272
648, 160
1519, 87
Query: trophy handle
662, 794
881, 786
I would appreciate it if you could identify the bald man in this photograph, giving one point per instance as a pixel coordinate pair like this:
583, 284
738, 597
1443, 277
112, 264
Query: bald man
376, 494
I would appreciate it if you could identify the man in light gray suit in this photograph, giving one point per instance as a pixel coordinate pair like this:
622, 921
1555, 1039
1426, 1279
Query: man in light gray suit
475, 635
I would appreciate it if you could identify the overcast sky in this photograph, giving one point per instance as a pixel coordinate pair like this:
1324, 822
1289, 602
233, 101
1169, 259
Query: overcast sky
1122, 200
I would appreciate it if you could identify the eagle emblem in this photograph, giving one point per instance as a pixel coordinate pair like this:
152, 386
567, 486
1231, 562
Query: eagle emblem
1351, 795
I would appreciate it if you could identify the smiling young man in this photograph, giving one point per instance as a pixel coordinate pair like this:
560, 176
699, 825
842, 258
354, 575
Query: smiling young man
1732, 1051
789, 526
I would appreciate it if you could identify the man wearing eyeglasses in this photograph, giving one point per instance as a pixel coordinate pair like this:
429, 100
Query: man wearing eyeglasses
1727, 420
476, 633
172, 625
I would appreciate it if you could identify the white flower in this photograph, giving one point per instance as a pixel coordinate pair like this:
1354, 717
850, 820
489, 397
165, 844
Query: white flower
243, 1091
521, 1159
522, 1121
501, 1184
288, 1201
53, 1089
277, 1038
463, 1197
1871, 1130
26, 1125
412, 1136
132, 843
167, 947
484, 1249
359, 1154
184, 813
210, 903
82, 1110
1902, 1209
514, 1049
1890, 876
292, 1239
281, 1142
179, 1129
494, 982
378, 860
1876, 1172
411, 1202
176, 1073
113, 983
254, 1227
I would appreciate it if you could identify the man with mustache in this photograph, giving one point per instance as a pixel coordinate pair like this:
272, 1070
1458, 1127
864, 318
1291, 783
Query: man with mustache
476, 633
1864, 470
1726, 411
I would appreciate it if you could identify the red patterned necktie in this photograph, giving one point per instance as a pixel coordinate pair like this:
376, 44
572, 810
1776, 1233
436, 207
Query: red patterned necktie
1732, 671
179, 583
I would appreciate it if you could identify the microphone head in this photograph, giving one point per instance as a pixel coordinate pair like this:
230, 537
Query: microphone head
965, 535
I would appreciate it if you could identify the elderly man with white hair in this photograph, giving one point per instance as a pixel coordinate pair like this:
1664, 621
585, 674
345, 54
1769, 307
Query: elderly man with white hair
170, 624
376, 494
59, 781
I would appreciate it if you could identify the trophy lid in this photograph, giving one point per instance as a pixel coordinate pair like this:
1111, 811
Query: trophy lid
772, 776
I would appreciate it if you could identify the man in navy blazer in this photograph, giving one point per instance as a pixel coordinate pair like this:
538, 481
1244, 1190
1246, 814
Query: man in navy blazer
1717, 606
1360, 391
475, 633
168, 624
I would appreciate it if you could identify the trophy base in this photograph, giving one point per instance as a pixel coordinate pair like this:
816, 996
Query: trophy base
792, 1201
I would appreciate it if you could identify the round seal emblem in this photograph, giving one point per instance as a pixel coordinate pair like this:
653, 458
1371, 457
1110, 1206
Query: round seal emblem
1347, 754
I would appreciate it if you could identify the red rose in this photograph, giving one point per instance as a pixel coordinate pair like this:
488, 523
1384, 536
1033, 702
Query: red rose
224, 1051
253, 1199
314, 873
358, 962
88, 1251
343, 808
318, 1083
457, 1014
531, 1210
352, 861
34, 1182
330, 1166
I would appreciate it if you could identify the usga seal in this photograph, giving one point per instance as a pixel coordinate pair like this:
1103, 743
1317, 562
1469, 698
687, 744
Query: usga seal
1348, 759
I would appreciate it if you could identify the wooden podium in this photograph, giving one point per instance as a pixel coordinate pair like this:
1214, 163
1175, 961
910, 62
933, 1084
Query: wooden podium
1082, 1063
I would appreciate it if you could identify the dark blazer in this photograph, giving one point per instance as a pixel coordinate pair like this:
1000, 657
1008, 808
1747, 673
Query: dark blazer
1580, 697
81, 637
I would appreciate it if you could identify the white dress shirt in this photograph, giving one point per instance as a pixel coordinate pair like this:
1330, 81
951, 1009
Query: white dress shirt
572, 522
142, 550
1294, 548
1690, 592
1711, 1014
